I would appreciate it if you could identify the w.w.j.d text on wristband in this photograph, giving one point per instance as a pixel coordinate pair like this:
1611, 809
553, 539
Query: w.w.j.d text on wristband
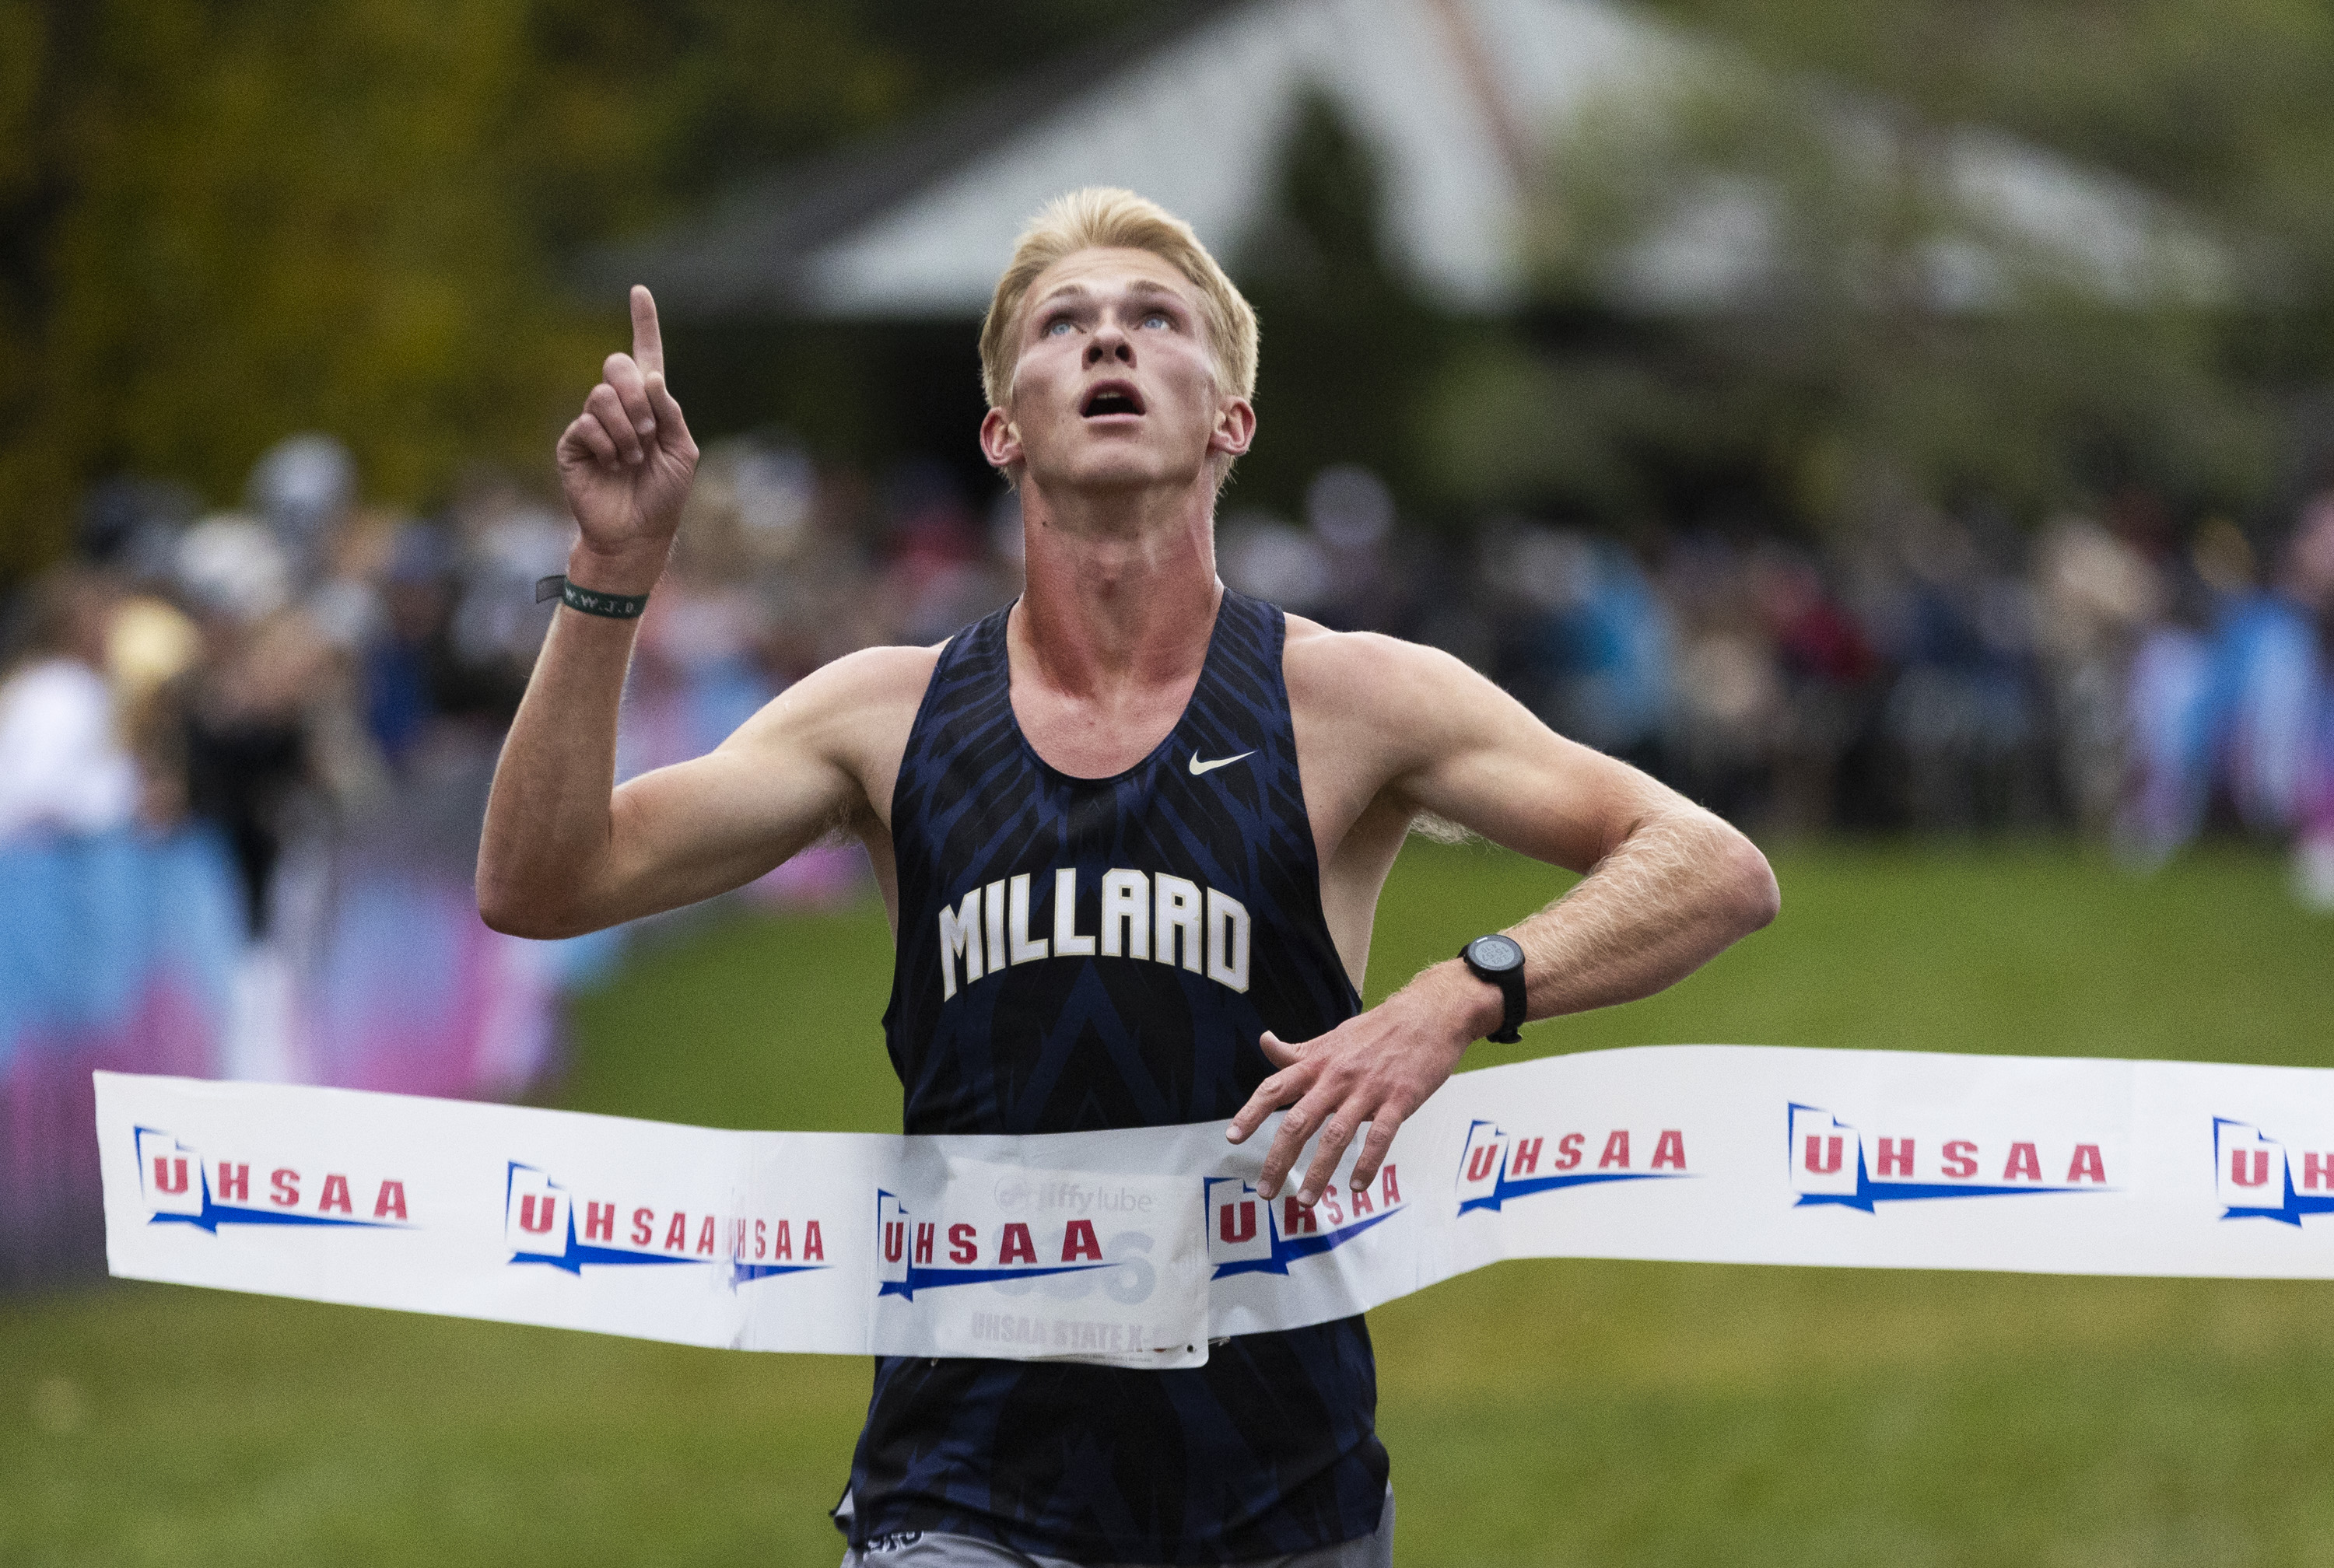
591, 601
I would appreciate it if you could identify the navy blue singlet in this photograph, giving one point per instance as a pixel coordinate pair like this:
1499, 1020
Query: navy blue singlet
1194, 926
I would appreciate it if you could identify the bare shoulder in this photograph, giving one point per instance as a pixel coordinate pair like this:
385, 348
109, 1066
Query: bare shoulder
1342, 655
1401, 698
871, 679
853, 713
869, 692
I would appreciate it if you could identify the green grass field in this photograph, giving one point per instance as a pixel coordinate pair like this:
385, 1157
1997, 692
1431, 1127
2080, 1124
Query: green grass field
1544, 1413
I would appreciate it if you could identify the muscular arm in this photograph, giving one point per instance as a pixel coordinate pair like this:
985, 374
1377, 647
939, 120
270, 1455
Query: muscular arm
1395, 730
564, 853
1667, 886
1676, 889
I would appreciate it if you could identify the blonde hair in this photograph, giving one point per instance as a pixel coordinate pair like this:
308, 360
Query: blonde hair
1102, 217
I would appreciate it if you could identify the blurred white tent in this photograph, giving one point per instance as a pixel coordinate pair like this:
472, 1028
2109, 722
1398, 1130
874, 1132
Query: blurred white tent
1456, 98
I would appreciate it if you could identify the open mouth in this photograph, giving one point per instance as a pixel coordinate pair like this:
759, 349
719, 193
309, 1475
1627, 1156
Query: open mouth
1111, 397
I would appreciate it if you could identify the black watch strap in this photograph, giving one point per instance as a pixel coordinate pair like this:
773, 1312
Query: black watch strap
1502, 965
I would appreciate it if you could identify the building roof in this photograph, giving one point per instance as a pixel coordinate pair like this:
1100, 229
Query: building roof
1455, 97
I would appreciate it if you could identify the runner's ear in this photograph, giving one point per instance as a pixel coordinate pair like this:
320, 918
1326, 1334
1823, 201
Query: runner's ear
1000, 440
1235, 430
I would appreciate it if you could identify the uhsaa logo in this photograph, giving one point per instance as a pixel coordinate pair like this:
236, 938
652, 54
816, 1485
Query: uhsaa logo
1834, 1162
1495, 1168
180, 1187
1248, 1233
2254, 1176
974, 1243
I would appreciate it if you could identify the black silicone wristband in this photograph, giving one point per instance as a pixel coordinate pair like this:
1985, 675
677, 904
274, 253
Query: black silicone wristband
591, 601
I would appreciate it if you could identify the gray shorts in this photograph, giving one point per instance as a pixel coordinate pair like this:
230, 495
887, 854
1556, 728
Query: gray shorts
913, 1549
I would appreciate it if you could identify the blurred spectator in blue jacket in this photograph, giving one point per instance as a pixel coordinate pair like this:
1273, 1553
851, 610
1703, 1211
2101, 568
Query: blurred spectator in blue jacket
1586, 642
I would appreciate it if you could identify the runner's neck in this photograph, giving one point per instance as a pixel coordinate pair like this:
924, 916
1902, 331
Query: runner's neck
1121, 595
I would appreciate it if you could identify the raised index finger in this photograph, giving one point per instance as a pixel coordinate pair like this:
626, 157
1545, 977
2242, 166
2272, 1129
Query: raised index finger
648, 344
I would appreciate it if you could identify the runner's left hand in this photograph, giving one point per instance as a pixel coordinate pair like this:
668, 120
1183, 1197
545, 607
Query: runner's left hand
1375, 1069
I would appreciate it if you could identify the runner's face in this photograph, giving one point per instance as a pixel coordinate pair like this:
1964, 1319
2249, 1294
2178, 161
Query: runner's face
1114, 387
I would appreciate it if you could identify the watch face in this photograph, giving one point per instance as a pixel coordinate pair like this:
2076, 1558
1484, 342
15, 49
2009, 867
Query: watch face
1496, 952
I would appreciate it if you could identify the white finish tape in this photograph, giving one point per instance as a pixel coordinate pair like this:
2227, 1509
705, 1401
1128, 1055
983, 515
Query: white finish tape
1136, 1247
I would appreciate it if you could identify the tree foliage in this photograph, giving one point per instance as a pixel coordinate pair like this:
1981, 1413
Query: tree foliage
2217, 108
222, 221
1825, 298
1348, 346
2221, 103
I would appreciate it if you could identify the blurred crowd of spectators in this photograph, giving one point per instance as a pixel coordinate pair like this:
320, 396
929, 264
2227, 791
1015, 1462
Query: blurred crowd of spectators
306, 665
307, 662
2112, 674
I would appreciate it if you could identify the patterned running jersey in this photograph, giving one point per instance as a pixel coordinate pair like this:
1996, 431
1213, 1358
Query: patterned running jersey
1082, 953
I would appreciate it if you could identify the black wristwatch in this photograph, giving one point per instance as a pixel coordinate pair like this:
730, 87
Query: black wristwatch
1499, 960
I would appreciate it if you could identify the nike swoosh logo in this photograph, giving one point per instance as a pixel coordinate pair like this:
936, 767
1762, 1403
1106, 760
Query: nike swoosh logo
1199, 767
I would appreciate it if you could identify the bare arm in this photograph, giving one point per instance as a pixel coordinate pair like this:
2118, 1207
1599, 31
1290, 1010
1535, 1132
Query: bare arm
564, 851
1668, 886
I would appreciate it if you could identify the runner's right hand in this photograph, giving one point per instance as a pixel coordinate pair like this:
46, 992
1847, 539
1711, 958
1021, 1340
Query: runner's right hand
626, 461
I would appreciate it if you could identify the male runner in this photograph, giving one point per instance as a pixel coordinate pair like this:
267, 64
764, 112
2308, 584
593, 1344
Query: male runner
1130, 832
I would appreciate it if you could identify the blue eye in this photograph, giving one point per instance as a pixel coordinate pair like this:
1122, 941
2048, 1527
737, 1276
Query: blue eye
1159, 318
1058, 326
